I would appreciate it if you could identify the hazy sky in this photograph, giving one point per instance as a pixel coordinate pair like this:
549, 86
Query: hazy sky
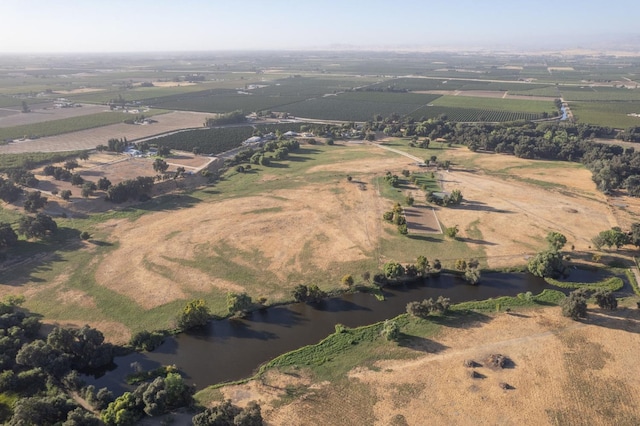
181, 25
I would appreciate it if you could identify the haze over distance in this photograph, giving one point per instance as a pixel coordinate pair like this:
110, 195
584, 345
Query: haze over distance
43, 26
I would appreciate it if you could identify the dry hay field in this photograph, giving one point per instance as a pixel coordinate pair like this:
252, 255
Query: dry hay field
510, 204
561, 372
90, 138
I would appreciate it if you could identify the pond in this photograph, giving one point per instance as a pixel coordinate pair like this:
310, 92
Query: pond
228, 350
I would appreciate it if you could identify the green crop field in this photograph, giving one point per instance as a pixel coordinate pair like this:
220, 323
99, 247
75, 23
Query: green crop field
475, 109
334, 108
612, 114
591, 93
496, 104
472, 115
65, 125
209, 141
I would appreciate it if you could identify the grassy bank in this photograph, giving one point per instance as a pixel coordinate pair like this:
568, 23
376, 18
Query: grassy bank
611, 284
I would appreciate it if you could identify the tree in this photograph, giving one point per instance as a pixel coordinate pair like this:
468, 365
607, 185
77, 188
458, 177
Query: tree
25, 107
36, 227
452, 232
34, 201
194, 314
8, 236
422, 265
575, 305
124, 411
70, 165
164, 151
391, 330
409, 200
9, 192
546, 264
606, 300
65, 194
393, 270
238, 302
77, 179
556, 240
104, 184
160, 166
348, 280
472, 275
88, 188
428, 307
455, 197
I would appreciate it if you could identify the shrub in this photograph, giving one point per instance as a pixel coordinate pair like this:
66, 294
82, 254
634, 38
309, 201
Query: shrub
391, 330
575, 305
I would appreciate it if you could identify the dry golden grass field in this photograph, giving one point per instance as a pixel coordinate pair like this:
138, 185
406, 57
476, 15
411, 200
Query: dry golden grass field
562, 373
266, 231
302, 221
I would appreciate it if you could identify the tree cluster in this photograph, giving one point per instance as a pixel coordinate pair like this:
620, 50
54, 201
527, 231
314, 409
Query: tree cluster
393, 271
58, 173
34, 201
22, 176
38, 370
130, 189
549, 262
613, 237
308, 293
452, 199
397, 217
114, 145
228, 414
429, 306
38, 226
233, 117
160, 396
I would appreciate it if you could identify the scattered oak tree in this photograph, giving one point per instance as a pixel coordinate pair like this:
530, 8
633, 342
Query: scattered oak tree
194, 314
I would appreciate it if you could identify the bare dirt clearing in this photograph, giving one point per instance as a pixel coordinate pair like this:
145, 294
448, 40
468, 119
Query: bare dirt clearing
562, 372
88, 139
